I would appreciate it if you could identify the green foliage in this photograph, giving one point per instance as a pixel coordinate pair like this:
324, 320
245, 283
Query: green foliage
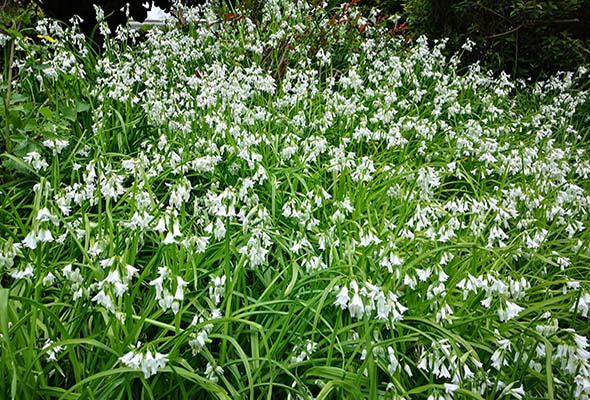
17, 13
524, 38
302, 207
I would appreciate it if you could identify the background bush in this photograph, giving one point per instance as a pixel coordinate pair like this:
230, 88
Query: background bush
523, 38
17, 14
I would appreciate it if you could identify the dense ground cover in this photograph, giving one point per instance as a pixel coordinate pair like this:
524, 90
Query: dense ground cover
289, 210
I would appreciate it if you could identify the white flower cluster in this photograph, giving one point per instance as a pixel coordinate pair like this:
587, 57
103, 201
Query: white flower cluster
213, 372
200, 337
389, 357
115, 283
441, 360
147, 362
52, 350
303, 352
8, 254
164, 288
506, 290
56, 145
35, 160
370, 298
217, 289
45, 221
582, 304
574, 360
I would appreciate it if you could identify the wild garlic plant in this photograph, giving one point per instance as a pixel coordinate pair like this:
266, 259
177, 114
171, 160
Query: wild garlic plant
241, 209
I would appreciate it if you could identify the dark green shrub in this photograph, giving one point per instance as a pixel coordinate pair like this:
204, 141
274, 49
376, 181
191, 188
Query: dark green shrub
17, 15
524, 38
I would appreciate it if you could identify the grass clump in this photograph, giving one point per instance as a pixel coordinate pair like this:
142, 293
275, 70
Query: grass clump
232, 210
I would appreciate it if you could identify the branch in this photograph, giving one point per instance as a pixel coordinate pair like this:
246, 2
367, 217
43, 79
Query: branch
564, 21
505, 33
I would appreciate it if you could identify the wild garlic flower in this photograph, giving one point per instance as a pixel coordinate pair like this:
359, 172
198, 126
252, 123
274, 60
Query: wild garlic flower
303, 352
369, 298
57, 145
582, 305
213, 372
27, 272
52, 351
217, 289
441, 361
149, 363
200, 338
500, 357
49, 279
35, 160
256, 248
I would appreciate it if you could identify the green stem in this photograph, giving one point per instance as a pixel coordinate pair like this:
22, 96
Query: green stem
7, 145
230, 281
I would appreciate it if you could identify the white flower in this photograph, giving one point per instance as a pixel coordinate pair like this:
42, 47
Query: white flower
130, 270
57, 145
49, 279
219, 230
212, 372
104, 300
198, 342
131, 359
161, 225
383, 307
581, 341
499, 356
53, 351
201, 243
4, 39
169, 239
28, 272
217, 289
516, 392
30, 240
120, 288
467, 373
393, 363
468, 45
107, 262
356, 306
45, 235
180, 284
342, 298
366, 240
113, 277
511, 311
148, 363
139, 221
34, 160
450, 387
44, 215
582, 306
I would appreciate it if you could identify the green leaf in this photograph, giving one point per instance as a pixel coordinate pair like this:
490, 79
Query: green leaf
70, 113
82, 106
46, 112
30, 126
4, 312
18, 98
